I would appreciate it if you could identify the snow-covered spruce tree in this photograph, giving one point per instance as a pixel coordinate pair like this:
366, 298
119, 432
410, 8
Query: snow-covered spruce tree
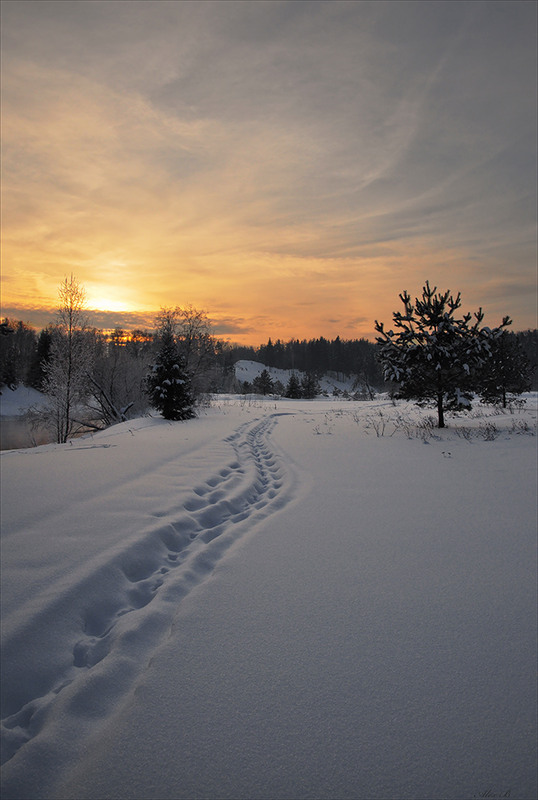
310, 386
293, 389
66, 371
168, 382
191, 329
433, 355
262, 383
507, 370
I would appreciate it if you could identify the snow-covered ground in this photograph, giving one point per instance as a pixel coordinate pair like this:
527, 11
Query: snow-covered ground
279, 599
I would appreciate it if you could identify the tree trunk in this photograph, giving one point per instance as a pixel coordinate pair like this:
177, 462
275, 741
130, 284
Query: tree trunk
440, 412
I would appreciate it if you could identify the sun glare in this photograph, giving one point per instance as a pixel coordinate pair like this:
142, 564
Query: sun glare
107, 304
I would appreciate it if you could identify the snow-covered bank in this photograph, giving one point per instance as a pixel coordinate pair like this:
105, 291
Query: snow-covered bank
276, 600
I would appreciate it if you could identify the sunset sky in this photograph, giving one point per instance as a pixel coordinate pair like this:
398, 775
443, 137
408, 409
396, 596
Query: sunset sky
288, 167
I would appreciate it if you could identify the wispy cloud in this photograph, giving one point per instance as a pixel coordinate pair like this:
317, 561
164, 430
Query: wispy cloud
291, 163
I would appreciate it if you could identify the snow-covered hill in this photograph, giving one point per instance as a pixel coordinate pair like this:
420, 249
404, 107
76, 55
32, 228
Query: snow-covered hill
248, 370
279, 599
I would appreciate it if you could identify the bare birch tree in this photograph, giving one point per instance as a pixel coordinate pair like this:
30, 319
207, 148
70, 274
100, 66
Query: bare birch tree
66, 372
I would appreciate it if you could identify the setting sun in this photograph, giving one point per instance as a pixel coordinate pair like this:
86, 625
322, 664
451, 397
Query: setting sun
100, 303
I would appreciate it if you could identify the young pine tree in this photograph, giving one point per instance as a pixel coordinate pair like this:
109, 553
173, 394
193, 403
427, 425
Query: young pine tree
168, 382
434, 355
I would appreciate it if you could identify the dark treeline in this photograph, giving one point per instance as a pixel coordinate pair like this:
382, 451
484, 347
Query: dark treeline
24, 353
347, 356
319, 356
529, 344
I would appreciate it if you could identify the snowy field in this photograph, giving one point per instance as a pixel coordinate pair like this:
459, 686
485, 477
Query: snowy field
279, 599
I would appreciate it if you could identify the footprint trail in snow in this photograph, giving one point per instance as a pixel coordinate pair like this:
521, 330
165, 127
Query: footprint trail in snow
122, 628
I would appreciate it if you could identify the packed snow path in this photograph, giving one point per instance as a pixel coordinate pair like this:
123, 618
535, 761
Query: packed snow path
172, 557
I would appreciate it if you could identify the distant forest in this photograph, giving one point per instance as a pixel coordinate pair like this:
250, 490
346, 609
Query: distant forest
24, 353
346, 356
318, 356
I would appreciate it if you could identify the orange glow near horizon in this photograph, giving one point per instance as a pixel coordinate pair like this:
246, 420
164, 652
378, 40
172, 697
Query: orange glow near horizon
289, 307
258, 186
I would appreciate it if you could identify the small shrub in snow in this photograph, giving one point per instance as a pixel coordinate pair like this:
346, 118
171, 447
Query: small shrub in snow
428, 423
426, 427
464, 433
413, 429
378, 422
522, 426
403, 423
488, 431
356, 417
516, 404
477, 413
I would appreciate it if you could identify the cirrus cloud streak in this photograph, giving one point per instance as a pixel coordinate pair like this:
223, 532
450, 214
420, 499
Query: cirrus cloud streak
290, 165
